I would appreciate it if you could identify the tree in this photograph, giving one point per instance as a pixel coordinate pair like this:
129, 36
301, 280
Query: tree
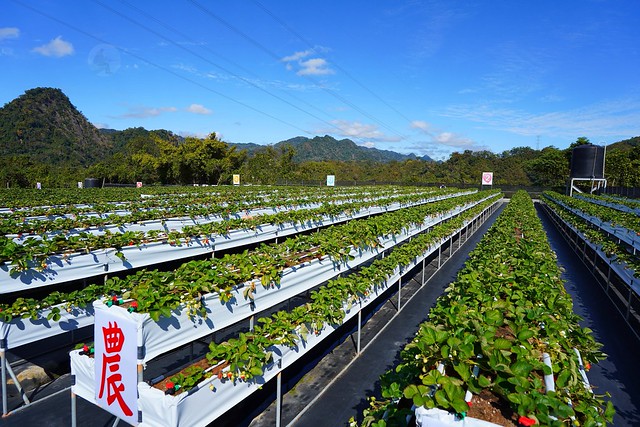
550, 170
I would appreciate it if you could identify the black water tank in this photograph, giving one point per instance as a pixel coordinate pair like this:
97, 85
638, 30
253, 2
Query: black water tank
587, 161
91, 183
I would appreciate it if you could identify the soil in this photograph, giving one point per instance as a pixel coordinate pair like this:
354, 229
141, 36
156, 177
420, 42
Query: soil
489, 407
203, 363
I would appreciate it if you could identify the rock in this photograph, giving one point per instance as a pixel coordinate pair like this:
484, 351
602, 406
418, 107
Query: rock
31, 377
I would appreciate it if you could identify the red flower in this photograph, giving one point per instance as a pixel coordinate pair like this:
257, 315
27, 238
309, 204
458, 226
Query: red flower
526, 421
170, 385
114, 298
85, 348
134, 304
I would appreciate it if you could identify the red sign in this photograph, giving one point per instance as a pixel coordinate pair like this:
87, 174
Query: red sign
111, 378
116, 387
487, 178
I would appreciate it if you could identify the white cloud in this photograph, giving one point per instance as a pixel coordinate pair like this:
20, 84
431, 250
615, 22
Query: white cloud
101, 125
453, 140
56, 47
9, 33
297, 56
145, 112
309, 67
314, 67
198, 109
199, 135
419, 124
368, 144
450, 139
359, 130
606, 119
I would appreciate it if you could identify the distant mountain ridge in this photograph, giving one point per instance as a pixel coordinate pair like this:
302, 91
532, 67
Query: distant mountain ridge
322, 148
42, 123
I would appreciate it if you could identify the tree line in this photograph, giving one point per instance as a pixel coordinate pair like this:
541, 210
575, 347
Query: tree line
160, 158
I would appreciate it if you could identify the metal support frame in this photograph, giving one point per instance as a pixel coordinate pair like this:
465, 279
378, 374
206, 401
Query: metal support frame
596, 184
358, 348
279, 395
6, 367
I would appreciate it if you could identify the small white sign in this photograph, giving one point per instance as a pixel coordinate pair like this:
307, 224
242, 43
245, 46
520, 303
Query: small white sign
331, 180
115, 364
138, 184
38, 186
236, 179
80, 185
487, 178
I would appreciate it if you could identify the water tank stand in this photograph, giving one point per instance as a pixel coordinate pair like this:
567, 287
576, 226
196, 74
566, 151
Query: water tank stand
596, 184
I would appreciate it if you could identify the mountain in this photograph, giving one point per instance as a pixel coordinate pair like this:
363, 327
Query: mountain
625, 145
322, 148
43, 124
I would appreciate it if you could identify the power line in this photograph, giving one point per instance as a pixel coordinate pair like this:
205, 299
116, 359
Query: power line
265, 49
125, 51
334, 63
177, 44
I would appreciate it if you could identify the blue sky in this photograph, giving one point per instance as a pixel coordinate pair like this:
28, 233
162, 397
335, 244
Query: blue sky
428, 77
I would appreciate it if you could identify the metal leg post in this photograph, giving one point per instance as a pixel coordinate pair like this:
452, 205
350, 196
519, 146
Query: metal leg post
73, 410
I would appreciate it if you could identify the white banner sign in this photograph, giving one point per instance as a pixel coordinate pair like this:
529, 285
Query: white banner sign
115, 365
487, 178
236, 179
331, 180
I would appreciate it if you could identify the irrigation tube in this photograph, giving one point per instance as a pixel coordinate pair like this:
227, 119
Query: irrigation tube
491, 209
549, 383
583, 373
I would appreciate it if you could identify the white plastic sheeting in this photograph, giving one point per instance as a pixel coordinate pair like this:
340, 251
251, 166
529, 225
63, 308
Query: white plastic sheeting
212, 397
616, 206
630, 237
620, 268
78, 266
169, 333
24, 331
295, 280
438, 418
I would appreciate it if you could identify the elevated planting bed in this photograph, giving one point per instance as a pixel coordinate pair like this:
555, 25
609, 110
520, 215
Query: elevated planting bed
242, 374
504, 335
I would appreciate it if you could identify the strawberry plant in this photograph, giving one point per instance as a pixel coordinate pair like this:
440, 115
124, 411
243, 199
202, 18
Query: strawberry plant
489, 331
249, 353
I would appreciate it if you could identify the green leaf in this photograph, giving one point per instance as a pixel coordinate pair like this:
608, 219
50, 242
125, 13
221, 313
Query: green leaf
521, 368
525, 334
483, 381
502, 344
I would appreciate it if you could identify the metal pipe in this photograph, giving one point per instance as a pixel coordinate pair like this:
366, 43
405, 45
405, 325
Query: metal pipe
278, 398
3, 361
73, 409
359, 328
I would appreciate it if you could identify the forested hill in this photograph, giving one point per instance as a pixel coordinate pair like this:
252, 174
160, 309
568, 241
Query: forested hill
345, 150
44, 125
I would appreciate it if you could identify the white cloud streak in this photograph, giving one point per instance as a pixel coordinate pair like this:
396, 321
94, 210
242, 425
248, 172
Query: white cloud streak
308, 67
56, 48
198, 109
145, 112
9, 33
359, 130
612, 118
450, 139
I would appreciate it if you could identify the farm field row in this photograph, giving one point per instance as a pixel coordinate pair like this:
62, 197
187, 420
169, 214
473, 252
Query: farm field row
250, 358
503, 332
37, 258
